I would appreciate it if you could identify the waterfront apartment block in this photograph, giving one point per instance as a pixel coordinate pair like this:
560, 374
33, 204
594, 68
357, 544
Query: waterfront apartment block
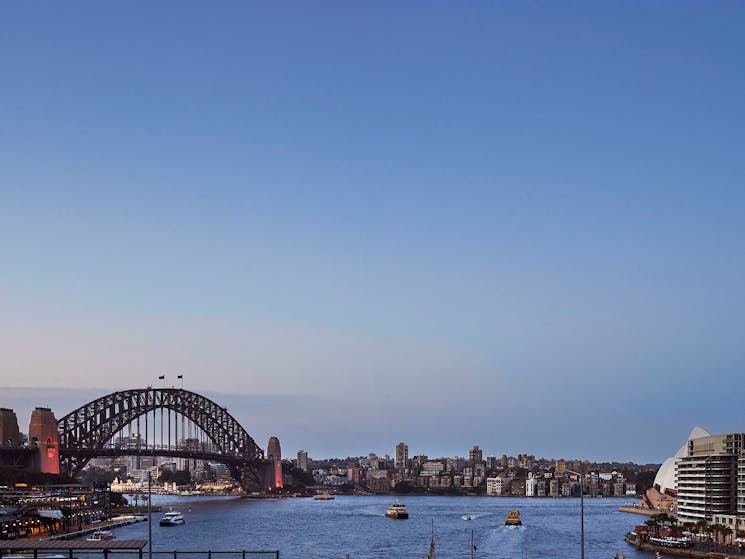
711, 478
498, 485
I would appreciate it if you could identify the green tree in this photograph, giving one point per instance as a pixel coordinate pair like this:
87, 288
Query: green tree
165, 475
181, 477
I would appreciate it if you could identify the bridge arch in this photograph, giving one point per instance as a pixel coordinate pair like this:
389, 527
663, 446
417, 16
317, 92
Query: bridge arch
85, 432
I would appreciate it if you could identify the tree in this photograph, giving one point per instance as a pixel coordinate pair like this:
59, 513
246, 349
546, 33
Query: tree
717, 531
118, 500
181, 477
165, 475
663, 519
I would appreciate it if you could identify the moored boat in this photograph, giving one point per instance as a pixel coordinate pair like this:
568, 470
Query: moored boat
397, 510
100, 535
513, 518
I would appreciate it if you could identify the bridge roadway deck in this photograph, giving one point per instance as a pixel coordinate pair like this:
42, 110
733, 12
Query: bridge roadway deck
164, 452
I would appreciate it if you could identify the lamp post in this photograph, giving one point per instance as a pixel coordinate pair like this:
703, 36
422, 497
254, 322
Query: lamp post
581, 512
149, 515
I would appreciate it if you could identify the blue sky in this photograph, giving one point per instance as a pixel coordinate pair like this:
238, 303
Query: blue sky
512, 224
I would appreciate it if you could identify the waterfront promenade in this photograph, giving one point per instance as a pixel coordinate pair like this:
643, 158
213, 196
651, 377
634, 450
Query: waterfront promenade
638, 510
699, 550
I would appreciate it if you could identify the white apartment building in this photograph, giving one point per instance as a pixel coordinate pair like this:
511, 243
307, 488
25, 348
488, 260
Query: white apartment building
498, 485
711, 478
432, 468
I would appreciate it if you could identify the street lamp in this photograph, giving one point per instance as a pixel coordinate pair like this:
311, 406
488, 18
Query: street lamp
581, 511
149, 514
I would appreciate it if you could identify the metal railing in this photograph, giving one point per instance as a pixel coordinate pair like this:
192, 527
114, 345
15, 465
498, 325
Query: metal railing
129, 554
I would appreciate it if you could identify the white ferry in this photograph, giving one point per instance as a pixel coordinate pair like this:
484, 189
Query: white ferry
172, 518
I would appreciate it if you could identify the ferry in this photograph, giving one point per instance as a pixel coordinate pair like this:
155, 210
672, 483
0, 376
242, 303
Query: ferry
513, 518
397, 510
323, 497
172, 518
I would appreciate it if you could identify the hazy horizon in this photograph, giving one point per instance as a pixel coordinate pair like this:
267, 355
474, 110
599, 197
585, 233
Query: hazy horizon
294, 435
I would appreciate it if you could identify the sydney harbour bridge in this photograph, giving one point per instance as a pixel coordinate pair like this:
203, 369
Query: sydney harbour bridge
164, 422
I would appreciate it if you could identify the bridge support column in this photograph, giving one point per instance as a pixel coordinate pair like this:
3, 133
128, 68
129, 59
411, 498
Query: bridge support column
257, 477
42, 434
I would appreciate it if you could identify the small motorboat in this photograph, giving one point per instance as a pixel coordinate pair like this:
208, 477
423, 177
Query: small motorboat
172, 518
467, 516
100, 536
513, 518
397, 510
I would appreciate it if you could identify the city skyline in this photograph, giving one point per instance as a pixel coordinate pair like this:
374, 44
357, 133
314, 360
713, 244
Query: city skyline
517, 225
250, 410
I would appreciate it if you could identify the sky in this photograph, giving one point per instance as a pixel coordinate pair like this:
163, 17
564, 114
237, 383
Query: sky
512, 224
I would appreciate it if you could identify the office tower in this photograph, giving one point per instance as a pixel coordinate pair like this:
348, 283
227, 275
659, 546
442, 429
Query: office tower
402, 455
475, 455
302, 460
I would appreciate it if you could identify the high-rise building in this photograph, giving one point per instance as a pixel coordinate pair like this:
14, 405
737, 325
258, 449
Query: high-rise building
475, 455
402, 456
274, 453
302, 460
707, 477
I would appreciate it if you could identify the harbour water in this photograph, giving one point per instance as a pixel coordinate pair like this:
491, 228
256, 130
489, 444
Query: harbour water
303, 528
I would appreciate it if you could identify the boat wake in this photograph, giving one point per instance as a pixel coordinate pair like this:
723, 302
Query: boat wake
503, 541
370, 511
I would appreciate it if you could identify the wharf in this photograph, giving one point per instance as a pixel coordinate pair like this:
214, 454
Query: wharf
115, 522
693, 553
639, 510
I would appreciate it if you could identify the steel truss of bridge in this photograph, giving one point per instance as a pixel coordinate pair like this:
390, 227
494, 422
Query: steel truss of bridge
88, 431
